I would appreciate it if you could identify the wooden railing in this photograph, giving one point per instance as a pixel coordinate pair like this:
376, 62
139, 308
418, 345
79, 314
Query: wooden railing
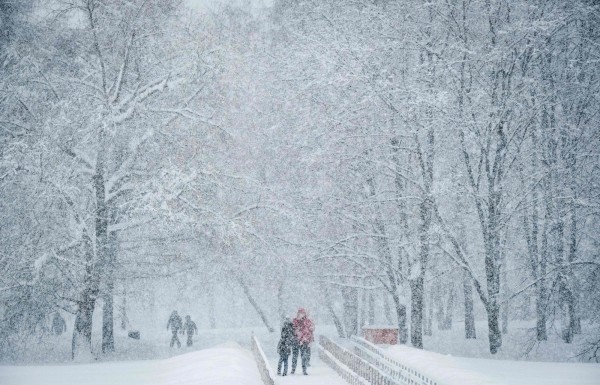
354, 369
399, 372
261, 362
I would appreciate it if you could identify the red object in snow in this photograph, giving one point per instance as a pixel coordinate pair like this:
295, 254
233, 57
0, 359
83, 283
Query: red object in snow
381, 334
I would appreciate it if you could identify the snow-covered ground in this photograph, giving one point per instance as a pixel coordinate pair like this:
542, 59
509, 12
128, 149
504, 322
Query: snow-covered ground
151, 361
453, 370
222, 365
519, 344
318, 372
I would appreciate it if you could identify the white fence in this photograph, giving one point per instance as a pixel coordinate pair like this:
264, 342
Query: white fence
261, 362
348, 375
343, 360
401, 373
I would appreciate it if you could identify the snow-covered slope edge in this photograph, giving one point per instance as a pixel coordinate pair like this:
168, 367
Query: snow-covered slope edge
222, 365
453, 370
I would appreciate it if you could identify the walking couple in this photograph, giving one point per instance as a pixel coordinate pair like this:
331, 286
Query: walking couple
176, 326
296, 337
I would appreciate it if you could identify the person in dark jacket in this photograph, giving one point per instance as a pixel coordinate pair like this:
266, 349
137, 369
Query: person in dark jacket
58, 324
285, 345
176, 326
190, 329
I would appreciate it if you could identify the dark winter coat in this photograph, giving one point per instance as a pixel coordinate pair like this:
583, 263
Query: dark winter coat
174, 322
287, 340
190, 328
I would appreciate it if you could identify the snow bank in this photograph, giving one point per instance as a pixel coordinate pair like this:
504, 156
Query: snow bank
534, 373
451, 370
223, 365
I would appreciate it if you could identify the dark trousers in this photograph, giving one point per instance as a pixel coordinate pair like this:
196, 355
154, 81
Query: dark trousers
304, 351
175, 339
189, 340
283, 359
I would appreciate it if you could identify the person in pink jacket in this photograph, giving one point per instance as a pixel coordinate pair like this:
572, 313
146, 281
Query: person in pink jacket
304, 329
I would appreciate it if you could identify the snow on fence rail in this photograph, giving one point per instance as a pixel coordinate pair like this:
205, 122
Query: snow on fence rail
401, 373
343, 360
348, 375
261, 362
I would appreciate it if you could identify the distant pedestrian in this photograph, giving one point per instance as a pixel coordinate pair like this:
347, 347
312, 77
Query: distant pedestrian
176, 326
286, 343
189, 327
303, 329
59, 325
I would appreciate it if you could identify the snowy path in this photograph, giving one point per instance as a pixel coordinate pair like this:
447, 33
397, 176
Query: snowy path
318, 374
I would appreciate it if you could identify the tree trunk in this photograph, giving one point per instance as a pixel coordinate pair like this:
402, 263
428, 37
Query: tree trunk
494, 335
336, 320
371, 312
363, 309
538, 260
82, 331
428, 311
564, 287
350, 295
81, 344
493, 290
449, 309
387, 311
401, 318
103, 254
108, 339
255, 305
416, 312
469, 315
506, 305
540, 309
123, 311
575, 320
417, 287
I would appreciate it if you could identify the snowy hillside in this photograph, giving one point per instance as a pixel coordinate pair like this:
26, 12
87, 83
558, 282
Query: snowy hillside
225, 365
